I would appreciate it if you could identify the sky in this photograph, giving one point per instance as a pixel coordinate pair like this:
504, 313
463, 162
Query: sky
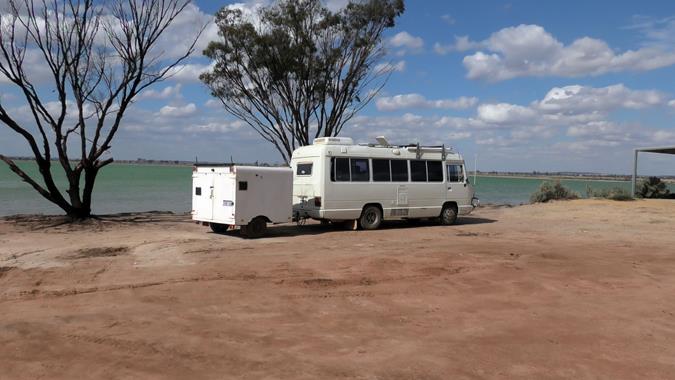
515, 85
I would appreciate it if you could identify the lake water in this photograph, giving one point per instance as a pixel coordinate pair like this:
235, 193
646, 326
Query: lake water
129, 188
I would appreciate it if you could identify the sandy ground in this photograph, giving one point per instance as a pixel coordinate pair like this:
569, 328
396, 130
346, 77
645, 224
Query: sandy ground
582, 290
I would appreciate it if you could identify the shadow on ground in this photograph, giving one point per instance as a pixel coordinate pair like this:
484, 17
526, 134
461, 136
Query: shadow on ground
288, 230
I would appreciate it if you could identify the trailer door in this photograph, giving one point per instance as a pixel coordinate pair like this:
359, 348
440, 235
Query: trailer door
224, 198
202, 196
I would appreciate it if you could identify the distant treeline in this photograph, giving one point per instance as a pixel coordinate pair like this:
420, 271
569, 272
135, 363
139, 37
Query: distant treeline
567, 175
144, 161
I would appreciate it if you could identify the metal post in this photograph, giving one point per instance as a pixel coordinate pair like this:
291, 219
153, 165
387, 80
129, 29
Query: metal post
475, 168
635, 164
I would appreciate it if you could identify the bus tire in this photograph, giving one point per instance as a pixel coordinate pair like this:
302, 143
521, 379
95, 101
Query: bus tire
448, 215
371, 218
219, 228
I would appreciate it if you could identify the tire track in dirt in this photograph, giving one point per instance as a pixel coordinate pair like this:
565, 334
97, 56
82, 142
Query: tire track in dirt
36, 293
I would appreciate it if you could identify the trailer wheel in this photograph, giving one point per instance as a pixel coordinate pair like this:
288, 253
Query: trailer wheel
219, 228
448, 215
256, 228
371, 217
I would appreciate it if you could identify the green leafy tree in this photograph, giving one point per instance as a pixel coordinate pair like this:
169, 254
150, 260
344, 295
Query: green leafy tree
98, 59
652, 187
296, 71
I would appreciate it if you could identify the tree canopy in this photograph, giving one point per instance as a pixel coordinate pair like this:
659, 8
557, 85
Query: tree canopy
295, 70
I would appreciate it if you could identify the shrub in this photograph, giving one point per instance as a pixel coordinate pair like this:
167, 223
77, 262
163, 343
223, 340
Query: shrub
652, 187
549, 191
615, 194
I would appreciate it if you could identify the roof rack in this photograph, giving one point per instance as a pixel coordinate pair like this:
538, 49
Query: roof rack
415, 147
420, 149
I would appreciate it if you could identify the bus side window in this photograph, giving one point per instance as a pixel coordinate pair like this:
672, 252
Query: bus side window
360, 172
435, 171
381, 172
418, 170
455, 173
399, 170
340, 169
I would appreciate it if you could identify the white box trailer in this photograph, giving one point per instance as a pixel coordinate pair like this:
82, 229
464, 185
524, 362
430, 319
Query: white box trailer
224, 196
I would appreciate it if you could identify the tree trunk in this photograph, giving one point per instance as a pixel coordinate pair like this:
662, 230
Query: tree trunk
90, 174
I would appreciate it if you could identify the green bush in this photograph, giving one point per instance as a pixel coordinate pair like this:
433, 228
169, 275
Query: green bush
652, 187
549, 191
615, 194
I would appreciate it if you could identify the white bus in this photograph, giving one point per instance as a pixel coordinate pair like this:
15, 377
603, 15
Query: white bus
335, 180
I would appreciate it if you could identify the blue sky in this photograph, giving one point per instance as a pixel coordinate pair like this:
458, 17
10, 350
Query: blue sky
525, 85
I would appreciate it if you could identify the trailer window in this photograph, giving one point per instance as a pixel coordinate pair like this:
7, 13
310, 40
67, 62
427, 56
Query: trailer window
304, 169
399, 170
418, 170
340, 169
198, 191
360, 172
435, 171
455, 173
381, 171
243, 185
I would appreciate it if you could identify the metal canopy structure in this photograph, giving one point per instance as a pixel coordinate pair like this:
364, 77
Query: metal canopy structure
662, 150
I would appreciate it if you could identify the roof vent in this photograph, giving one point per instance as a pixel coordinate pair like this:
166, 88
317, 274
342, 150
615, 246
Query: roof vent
333, 141
382, 141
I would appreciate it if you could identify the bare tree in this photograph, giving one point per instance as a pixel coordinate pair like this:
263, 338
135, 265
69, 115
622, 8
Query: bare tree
300, 71
99, 58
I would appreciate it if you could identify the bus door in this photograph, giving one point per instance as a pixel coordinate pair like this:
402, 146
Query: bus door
457, 188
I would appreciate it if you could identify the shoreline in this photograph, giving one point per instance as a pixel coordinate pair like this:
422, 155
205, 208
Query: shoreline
544, 177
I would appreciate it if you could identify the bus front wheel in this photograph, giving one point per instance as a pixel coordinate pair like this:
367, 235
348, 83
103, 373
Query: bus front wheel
448, 215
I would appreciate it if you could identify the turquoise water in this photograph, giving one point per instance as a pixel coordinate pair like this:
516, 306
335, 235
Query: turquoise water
119, 188
130, 188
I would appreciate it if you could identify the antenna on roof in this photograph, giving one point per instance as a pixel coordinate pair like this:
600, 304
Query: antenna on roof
382, 141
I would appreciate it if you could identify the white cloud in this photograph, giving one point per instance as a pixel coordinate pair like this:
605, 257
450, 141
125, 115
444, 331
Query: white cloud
595, 128
672, 103
662, 136
178, 111
497, 141
529, 50
215, 127
505, 114
406, 43
175, 41
390, 67
579, 99
657, 32
213, 103
462, 43
165, 93
188, 72
398, 102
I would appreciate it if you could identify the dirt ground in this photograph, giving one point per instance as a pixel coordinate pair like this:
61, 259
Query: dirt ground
582, 289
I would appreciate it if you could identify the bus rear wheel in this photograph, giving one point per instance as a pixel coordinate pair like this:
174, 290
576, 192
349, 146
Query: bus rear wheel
448, 215
371, 218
